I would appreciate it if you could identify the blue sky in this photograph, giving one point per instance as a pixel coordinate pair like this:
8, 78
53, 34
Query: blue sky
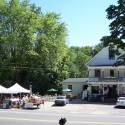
85, 19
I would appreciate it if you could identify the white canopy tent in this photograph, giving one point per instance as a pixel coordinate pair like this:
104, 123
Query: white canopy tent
16, 88
2, 88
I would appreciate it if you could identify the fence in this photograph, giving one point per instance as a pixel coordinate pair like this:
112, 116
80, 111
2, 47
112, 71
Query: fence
49, 98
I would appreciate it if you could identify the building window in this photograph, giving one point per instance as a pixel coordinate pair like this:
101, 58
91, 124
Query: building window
97, 73
70, 87
112, 73
111, 54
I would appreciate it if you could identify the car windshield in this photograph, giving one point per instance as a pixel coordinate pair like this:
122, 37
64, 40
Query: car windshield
61, 97
121, 98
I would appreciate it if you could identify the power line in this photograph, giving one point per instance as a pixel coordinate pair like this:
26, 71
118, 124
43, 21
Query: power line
22, 68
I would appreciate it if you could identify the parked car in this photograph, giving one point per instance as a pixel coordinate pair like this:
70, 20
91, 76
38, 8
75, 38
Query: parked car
120, 102
61, 100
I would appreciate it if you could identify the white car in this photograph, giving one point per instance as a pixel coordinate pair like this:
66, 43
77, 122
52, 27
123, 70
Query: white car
120, 102
61, 100
31, 106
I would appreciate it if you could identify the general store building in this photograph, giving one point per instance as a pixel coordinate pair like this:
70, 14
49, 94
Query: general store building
104, 78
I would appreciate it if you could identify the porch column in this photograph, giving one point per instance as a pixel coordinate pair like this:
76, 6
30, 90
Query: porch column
89, 90
102, 73
118, 72
118, 89
103, 88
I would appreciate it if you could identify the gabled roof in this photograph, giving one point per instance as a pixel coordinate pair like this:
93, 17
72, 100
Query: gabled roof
88, 63
102, 58
76, 80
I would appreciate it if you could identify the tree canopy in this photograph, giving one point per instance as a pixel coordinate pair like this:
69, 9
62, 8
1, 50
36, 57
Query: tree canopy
34, 50
116, 13
33, 46
79, 56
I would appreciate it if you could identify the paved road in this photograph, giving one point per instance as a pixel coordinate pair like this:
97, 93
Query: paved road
47, 117
77, 112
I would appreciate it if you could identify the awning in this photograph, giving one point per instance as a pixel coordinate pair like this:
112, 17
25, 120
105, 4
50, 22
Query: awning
107, 83
16, 88
2, 88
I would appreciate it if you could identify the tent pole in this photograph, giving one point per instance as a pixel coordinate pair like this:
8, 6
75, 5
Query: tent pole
30, 90
20, 95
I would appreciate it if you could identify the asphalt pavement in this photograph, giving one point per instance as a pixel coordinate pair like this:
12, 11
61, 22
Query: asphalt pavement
82, 107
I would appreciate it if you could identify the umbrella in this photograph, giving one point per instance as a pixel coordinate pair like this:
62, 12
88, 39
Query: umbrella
52, 90
66, 90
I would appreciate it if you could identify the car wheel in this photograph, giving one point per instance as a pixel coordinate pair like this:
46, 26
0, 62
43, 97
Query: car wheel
64, 103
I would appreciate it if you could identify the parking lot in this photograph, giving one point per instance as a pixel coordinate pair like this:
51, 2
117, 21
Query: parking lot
83, 107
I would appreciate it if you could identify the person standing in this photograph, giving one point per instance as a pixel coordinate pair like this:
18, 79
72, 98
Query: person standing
24, 98
84, 95
27, 98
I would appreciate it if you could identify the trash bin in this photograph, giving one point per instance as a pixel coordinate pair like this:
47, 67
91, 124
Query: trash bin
6, 104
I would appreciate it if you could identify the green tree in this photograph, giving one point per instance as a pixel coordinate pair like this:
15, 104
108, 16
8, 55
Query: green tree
72, 67
32, 45
17, 23
116, 13
52, 48
79, 56
51, 40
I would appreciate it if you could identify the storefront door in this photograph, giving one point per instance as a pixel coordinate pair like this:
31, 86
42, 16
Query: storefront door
112, 91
